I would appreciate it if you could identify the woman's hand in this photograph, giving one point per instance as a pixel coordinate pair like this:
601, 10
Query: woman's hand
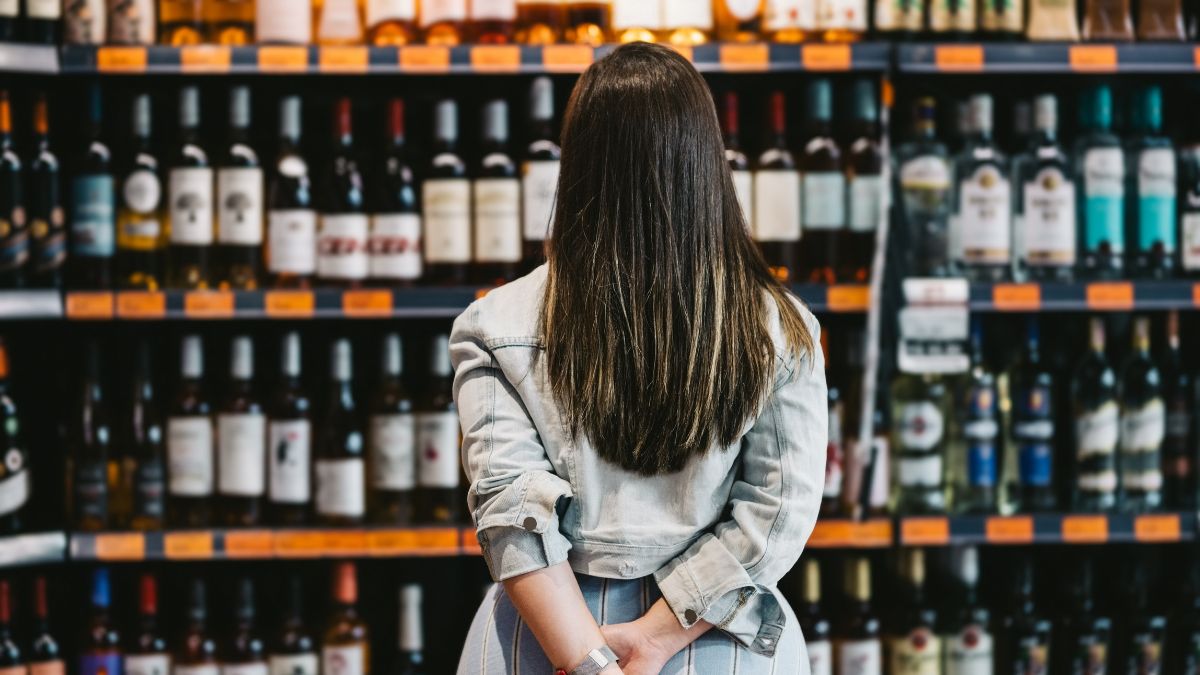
645, 645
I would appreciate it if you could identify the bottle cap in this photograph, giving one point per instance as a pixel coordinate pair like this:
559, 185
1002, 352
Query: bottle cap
393, 355
239, 107
241, 358
1045, 113
189, 107
101, 591
291, 354
342, 361
345, 584
439, 356
148, 595
495, 121
541, 99
289, 118
141, 116
41, 117
820, 100
446, 121
192, 357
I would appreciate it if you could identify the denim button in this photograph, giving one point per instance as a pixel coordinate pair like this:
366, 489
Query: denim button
530, 524
690, 616
626, 568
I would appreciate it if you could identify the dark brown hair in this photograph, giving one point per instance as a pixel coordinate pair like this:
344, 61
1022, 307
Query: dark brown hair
656, 318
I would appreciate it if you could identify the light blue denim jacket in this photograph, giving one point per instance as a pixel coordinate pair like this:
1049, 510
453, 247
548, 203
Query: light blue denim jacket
717, 535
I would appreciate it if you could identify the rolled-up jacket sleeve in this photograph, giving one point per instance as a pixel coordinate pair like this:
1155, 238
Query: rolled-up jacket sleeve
514, 490
726, 576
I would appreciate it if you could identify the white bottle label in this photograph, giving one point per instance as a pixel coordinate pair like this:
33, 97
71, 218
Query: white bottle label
494, 10
283, 21
848, 15
1190, 240
292, 246
294, 664
447, 204
340, 490
1143, 429
85, 21
196, 669
784, 14
44, 9
437, 443
921, 426
926, 172
1156, 173
435, 11
1104, 172
240, 204
921, 471
497, 220
190, 456
824, 200
191, 191
340, 22
918, 653
636, 14
14, 489
147, 664
860, 657
379, 11
539, 183
289, 459
969, 652
395, 246
1097, 432
343, 660
866, 203
777, 205
244, 669
241, 454
742, 10
142, 191
342, 246
129, 22
393, 451
820, 657
1048, 219
687, 14
985, 216
743, 188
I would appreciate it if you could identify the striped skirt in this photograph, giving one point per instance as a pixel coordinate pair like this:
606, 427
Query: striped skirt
499, 642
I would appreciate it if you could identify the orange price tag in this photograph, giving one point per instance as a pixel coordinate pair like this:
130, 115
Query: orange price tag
121, 59
1084, 529
299, 543
89, 305
1110, 295
342, 59
249, 544
208, 304
1196, 57
848, 297
567, 58
367, 303
958, 58
496, 57
141, 305
831, 534
391, 542
744, 56
425, 57
205, 59
188, 545
1160, 528
470, 542
826, 57
1093, 58
124, 546
345, 542
289, 303
283, 59
1010, 530
1195, 296
873, 533
1017, 297
436, 541
925, 531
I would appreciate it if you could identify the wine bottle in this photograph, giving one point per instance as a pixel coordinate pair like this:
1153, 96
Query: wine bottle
823, 186
1034, 428
857, 648
181, 22
492, 21
391, 23
835, 450
289, 432
14, 474
100, 642
541, 22
438, 440
45, 653
588, 21
921, 408
1097, 425
814, 622
739, 21
140, 236
147, 653
1143, 425
443, 21
91, 213
636, 21
131, 22
245, 653
496, 197
1179, 466
1025, 645
145, 444
339, 467
240, 200
410, 658
195, 650
1046, 238
1100, 165
14, 235
539, 173
982, 229
293, 650
686, 23
190, 443
924, 175
12, 661
190, 198
48, 238
342, 257
291, 220
395, 241
392, 441
1145, 627
966, 630
1083, 645
344, 648
91, 441
777, 196
283, 22
340, 23
864, 186
84, 22
1151, 203
975, 491
43, 19
229, 22
914, 646
739, 164
241, 442
446, 202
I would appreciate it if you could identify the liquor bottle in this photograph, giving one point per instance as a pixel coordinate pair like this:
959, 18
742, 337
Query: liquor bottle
1151, 204
240, 200
45, 653
48, 238
1002, 19
1143, 425
241, 442
14, 475
145, 447
1094, 398
831, 495
966, 633
952, 20
140, 236
91, 451
913, 645
12, 661
443, 21
541, 22
864, 187
438, 440
636, 21
539, 173
1026, 632
1046, 236
391, 22
342, 232
1052, 21
920, 407
344, 648
492, 21
392, 441
1145, 627
147, 652
1082, 645
924, 170
410, 658
395, 242
977, 477
195, 650
1033, 427
842, 20
1100, 163
293, 651
340, 22
790, 21
777, 189
84, 22
339, 458
291, 220
190, 443
739, 20
814, 623
857, 647
42, 21
229, 22
588, 21
1161, 20
446, 202
823, 187
14, 235
131, 22
686, 23
190, 195
1178, 464
739, 163
1185, 625
983, 240
1189, 206
180, 22
92, 227
100, 643
289, 444
283, 22
496, 200
245, 653
1107, 21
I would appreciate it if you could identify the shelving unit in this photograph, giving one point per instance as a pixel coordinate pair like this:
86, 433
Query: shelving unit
1048, 58
1096, 296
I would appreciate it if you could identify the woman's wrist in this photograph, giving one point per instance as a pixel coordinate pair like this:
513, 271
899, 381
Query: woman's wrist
664, 632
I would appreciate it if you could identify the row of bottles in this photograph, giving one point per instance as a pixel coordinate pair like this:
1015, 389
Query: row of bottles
252, 456
1037, 20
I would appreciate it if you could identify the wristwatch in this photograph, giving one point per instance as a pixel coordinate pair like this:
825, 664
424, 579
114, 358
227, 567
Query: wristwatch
596, 661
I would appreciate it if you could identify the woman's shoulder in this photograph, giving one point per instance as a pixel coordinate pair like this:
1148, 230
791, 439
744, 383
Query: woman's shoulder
507, 313
775, 323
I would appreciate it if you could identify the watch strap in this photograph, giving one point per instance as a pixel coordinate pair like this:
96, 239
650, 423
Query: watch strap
596, 661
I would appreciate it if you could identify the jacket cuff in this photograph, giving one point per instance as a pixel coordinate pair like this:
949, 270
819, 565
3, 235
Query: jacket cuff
518, 529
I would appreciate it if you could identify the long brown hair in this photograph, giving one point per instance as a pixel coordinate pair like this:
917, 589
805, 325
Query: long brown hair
656, 317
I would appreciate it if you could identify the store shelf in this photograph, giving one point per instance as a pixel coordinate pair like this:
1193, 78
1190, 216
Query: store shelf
34, 304
467, 59
33, 549
1049, 58
1121, 296
1048, 529
22, 58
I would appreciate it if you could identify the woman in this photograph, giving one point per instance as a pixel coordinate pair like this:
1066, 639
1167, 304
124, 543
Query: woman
644, 418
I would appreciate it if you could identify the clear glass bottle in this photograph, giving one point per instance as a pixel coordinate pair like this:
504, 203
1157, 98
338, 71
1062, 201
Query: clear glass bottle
983, 199
923, 167
1045, 236
1097, 426
921, 408
391, 23
966, 630
1107, 21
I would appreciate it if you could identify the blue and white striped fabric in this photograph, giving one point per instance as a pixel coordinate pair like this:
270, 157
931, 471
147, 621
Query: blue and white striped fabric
499, 642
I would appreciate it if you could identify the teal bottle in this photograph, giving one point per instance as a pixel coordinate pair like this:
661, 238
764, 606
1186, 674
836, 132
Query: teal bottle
1151, 175
1100, 164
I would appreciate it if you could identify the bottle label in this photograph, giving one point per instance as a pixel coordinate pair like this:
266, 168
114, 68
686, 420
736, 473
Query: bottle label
437, 11
290, 459
190, 456
437, 441
85, 20
148, 479
539, 184
824, 200
1008, 16
742, 10
834, 454
686, 14
342, 246
926, 172
244, 669
985, 217
280, 22
379, 11
393, 449
147, 664
981, 452
820, 657
142, 194
921, 426
859, 657
14, 486
1048, 219
493, 10
1035, 461
48, 668
191, 192
777, 205
789, 14
196, 669
292, 247
395, 246
294, 664
240, 197
918, 653
950, 15
1143, 429
848, 15
241, 454
1190, 231
345, 659
866, 203
1104, 198
447, 204
921, 471
340, 22
743, 189
43, 9
104, 663
92, 216
969, 652
131, 22
497, 220
1156, 200
636, 14
1096, 432
340, 487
